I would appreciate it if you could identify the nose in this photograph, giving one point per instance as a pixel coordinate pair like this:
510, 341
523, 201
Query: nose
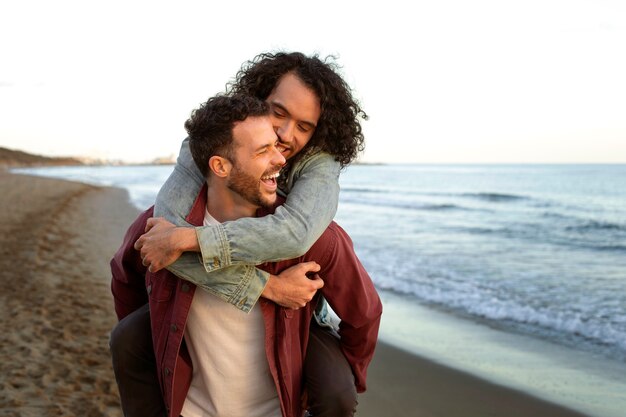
277, 158
285, 131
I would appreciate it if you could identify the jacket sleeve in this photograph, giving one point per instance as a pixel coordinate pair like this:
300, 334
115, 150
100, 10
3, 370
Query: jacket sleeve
229, 251
293, 228
351, 293
128, 284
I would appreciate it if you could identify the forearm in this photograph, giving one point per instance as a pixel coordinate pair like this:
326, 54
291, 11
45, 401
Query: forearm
239, 285
230, 250
289, 232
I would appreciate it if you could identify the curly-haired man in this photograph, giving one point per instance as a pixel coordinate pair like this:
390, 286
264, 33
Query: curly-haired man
317, 122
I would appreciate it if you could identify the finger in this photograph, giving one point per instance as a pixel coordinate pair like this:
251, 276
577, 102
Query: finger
150, 224
317, 282
311, 266
138, 243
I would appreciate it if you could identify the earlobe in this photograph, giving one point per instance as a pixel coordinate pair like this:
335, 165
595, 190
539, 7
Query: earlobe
219, 166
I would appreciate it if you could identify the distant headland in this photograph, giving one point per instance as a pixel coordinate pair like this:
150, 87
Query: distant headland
12, 158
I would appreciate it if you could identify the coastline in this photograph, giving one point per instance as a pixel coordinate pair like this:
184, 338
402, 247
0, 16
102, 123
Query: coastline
403, 384
57, 238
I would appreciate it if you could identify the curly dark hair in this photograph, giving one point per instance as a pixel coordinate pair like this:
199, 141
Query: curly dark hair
210, 127
338, 130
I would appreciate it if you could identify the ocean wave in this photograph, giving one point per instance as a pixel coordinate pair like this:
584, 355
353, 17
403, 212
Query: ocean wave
484, 196
495, 197
362, 190
593, 225
606, 331
406, 205
591, 235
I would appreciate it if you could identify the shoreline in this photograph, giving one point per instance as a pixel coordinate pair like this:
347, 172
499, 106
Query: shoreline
401, 383
57, 238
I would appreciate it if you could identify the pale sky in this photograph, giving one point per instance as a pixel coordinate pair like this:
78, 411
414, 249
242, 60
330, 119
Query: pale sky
442, 81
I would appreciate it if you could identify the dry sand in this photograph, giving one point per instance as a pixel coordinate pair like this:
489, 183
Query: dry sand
56, 239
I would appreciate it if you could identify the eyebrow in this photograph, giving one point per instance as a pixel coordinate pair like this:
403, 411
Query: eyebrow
283, 108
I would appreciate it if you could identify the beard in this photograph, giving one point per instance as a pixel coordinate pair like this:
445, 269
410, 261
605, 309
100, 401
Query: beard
248, 188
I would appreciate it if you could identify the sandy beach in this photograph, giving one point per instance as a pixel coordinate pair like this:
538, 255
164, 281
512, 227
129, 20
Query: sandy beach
56, 239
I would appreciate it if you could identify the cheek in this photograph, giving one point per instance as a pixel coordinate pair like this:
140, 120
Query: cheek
305, 138
276, 123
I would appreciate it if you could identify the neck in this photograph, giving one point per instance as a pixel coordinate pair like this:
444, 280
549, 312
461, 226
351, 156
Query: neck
224, 204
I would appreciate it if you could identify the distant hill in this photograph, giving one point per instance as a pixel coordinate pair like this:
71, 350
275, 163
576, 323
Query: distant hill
10, 158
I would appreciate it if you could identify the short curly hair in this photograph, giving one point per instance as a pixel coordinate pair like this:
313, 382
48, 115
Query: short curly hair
338, 130
210, 127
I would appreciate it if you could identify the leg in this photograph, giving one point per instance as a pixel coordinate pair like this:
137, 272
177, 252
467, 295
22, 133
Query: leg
327, 375
134, 365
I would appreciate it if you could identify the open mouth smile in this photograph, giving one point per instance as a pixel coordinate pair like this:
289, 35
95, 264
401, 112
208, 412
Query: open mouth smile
270, 179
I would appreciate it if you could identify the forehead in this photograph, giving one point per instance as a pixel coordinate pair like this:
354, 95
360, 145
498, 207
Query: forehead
296, 97
254, 132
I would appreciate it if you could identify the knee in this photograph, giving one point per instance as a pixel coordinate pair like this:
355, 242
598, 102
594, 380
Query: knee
121, 344
345, 401
334, 401
130, 339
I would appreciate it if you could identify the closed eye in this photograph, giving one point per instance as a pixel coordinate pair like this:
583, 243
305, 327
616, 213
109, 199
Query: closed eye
304, 128
279, 114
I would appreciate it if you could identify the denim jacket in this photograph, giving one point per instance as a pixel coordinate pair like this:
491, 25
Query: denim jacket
230, 251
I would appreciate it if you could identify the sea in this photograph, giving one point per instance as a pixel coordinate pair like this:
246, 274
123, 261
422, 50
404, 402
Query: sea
515, 273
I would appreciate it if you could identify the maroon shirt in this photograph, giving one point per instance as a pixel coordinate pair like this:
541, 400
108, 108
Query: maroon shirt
347, 287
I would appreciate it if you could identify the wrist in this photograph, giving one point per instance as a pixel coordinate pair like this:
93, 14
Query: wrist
185, 239
268, 291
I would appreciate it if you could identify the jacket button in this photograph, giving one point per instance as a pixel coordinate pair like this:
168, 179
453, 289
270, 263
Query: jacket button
173, 328
216, 262
184, 287
167, 371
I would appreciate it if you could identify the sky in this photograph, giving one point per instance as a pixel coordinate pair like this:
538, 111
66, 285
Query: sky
442, 81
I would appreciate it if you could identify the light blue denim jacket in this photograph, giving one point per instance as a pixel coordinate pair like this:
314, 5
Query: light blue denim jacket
230, 250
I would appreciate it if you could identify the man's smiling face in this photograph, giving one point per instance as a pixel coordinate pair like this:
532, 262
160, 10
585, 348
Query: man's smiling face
256, 163
294, 111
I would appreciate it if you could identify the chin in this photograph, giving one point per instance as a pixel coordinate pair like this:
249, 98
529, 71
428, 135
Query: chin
269, 202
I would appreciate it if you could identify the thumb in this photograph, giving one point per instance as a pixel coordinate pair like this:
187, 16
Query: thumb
317, 282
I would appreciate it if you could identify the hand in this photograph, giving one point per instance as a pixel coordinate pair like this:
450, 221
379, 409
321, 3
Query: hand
293, 288
163, 243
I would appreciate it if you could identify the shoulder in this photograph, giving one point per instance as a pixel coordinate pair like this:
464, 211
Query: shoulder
317, 160
138, 227
315, 164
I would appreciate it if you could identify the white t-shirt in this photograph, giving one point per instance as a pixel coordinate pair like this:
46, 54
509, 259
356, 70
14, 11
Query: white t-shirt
231, 375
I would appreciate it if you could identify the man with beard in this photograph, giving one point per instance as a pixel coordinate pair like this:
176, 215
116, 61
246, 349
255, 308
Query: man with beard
212, 358
317, 122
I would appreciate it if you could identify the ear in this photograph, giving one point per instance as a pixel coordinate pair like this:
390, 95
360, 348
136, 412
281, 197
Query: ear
220, 166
